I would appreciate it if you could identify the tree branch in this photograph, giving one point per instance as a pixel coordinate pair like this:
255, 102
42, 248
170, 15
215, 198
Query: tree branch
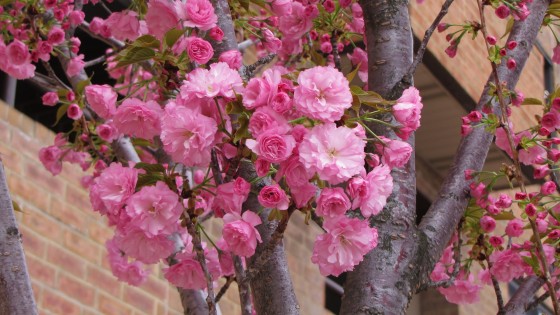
449, 207
520, 300
16, 295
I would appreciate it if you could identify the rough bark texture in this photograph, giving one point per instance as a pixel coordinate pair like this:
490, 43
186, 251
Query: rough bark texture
16, 295
193, 302
439, 223
385, 281
272, 287
229, 42
518, 303
378, 284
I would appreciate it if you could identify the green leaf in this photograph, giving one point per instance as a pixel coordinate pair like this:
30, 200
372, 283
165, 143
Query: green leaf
16, 206
243, 130
245, 4
172, 36
151, 168
531, 101
147, 180
509, 26
134, 55
141, 142
82, 85
356, 90
60, 113
504, 216
6, 2
317, 58
147, 41
350, 76
532, 261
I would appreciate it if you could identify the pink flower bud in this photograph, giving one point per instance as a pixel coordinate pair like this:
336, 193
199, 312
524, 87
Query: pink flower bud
531, 210
502, 11
442, 27
548, 188
511, 64
491, 40
216, 34
74, 112
50, 98
511, 45
487, 224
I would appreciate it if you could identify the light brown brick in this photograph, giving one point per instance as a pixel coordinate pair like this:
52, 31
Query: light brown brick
40, 271
59, 304
138, 299
81, 245
110, 306
103, 280
66, 261
76, 289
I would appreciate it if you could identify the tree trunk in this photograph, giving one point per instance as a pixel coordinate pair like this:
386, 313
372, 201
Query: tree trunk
378, 284
385, 281
16, 295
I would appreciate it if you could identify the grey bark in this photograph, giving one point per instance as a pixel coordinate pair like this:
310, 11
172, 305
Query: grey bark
385, 281
377, 285
271, 285
16, 295
193, 302
518, 303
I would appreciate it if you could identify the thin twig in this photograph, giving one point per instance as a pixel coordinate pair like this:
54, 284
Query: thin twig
95, 61
215, 165
53, 75
244, 293
224, 288
422, 49
496, 285
109, 41
249, 71
336, 56
540, 299
505, 124
197, 244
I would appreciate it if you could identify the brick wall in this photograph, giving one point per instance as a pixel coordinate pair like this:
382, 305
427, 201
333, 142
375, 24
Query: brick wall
64, 240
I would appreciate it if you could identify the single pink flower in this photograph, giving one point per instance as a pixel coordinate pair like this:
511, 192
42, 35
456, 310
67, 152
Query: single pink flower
514, 228
240, 234
124, 25
233, 58
161, 16
200, 14
230, 197
186, 273
146, 248
50, 98
74, 111
199, 50
136, 118
155, 209
187, 135
394, 153
370, 193
506, 265
332, 202
335, 153
75, 66
273, 196
112, 188
323, 93
343, 246
487, 224
462, 291
51, 159
272, 146
295, 23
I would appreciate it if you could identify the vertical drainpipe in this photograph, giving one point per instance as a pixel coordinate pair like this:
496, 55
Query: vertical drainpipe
8, 89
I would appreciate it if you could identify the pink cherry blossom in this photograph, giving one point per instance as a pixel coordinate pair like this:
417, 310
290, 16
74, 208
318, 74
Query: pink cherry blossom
240, 234
187, 135
51, 159
138, 119
230, 197
106, 132
200, 14
124, 25
146, 248
335, 153
323, 93
370, 194
506, 265
50, 98
260, 91
161, 16
343, 246
487, 224
407, 111
112, 188
75, 66
332, 202
132, 273
295, 24
272, 146
155, 209
186, 273
220, 80
394, 153
514, 228
273, 196
199, 50
233, 58
462, 291
265, 118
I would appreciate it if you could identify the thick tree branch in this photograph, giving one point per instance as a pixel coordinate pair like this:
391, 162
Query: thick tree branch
520, 301
16, 295
448, 208
382, 282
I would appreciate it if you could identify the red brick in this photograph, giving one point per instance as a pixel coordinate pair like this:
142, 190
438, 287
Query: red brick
99, 231
78, 198
76, 289
40, 271
28, 191
103, 281
68, 214
155, 287
139, 300
26, 144
81, 245
10, 158
111, 306
66, 261
32, 242
42, 224
43, 178
59, 304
